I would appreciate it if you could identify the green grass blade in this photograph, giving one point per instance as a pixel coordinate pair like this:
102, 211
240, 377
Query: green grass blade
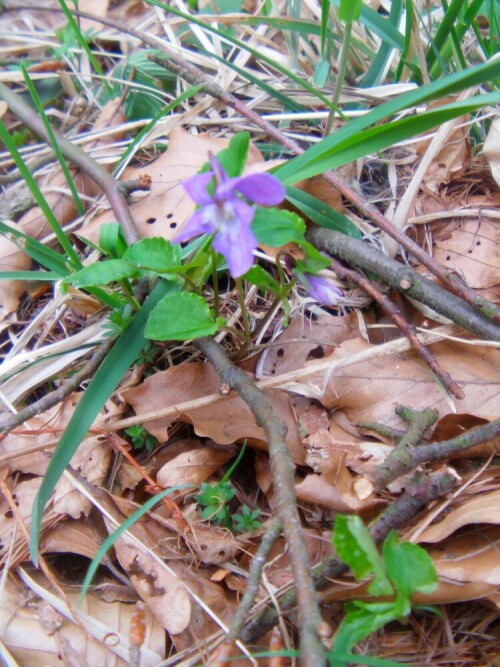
300, 167
441, 49
241, 45
42, 276
104, 382
83, 43
128, 523
320, 213
45, 256
53, 141
380, 137
407, 40
38, 196
377, 69
325, 12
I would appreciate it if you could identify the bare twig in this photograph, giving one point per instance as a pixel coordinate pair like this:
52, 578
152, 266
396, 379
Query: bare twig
406, 456
420, 491
408, 329
254, 575
310, 621
401, 456
404, 279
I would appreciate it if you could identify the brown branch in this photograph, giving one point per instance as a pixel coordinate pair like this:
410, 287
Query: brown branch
402, 278
254, 575
310, 621
419, 492
408, 329
65, 388
78, 157
400, 457
407, 455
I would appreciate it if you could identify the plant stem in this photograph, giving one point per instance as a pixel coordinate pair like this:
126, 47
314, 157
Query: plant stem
243, 306
215, 281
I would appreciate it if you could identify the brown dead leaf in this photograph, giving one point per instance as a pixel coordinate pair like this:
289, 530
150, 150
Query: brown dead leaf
452, 157
225, 423
475, 510
306, 339
370, 390
472, 249
163, 592
471, 557
77, 537
90, 7
192, 464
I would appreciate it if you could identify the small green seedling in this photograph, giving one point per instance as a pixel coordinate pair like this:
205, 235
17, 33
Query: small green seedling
215, 499
140, 438
247, 520
400, 571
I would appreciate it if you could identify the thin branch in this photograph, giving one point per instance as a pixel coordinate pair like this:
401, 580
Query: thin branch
404, 279
419, 422
310, 621
419, 492
408, 329
406, 456
254, 575
65, 389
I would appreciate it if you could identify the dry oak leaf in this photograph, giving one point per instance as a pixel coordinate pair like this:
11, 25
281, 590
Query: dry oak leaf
371, 390
165, 208
193, 463
472, 249
474, 511
470, 557
163, 592
225, 422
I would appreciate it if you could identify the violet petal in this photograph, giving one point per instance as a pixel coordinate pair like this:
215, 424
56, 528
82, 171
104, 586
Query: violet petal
196, 187
262, 189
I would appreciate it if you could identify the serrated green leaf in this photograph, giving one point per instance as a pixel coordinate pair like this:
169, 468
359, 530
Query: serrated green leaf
154, 254
356, 547
274, 227
181, 316
102, 273
409, 567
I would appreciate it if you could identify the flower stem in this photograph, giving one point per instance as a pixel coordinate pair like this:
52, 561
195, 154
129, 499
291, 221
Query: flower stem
215, 281
244, 312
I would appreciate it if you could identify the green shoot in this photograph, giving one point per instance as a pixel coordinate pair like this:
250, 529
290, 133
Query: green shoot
402, 570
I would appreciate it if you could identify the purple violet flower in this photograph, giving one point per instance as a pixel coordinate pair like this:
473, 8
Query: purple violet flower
321, 289
228, 216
